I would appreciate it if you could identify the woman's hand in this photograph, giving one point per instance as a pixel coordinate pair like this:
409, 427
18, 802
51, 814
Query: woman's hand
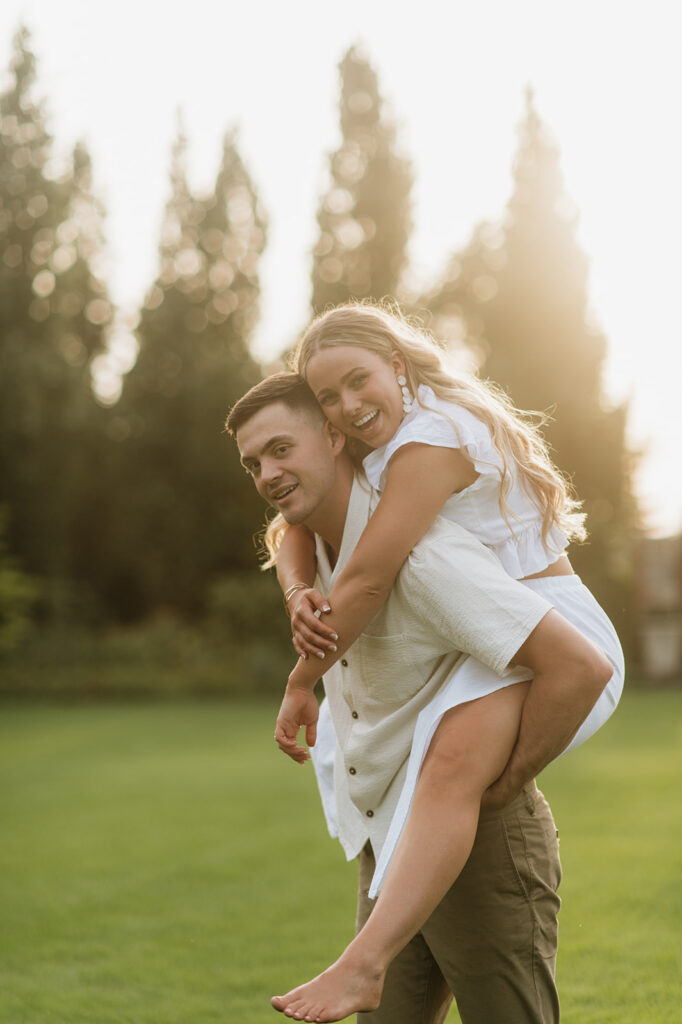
310, 636
299, 708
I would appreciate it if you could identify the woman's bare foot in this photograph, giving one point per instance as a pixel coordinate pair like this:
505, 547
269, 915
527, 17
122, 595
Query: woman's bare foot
349, 986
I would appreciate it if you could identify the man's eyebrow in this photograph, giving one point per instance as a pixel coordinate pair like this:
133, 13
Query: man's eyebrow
270, 443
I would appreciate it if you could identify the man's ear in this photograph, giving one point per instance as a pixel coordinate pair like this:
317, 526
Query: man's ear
336, 437
397, 362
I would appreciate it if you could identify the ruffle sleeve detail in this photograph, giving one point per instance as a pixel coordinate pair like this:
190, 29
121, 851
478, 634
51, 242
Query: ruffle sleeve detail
441, 424
526, 552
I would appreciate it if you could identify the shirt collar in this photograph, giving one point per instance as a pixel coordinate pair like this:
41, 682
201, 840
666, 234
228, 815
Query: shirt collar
361, 504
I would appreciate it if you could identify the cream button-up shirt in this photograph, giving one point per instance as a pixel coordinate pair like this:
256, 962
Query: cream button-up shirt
451, 596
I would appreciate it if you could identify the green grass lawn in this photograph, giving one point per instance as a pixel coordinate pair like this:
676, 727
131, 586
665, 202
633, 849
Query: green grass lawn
163, 864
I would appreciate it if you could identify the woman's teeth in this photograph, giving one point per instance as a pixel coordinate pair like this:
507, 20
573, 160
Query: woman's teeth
283, 494
364, 420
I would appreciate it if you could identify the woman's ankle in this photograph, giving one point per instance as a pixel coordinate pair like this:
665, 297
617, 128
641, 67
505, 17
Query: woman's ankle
363, 955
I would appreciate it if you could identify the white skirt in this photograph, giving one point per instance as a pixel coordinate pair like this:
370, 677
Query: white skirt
472, 679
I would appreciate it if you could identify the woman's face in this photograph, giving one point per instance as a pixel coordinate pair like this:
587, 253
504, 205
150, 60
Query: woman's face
358, 391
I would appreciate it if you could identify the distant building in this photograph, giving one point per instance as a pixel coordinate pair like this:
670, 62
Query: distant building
659, 603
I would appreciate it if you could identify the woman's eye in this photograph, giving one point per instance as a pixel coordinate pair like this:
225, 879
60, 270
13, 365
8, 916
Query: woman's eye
327, 399
359, 381
281, 449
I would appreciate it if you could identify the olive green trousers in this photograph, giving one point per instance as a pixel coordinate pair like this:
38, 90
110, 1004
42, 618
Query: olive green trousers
492, 941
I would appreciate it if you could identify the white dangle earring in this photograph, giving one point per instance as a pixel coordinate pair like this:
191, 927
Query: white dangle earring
408, 397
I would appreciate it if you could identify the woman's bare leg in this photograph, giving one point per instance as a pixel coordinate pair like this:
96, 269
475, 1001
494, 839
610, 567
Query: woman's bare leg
468, 752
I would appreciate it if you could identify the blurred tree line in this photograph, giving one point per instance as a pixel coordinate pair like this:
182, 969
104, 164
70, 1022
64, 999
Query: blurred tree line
124, 512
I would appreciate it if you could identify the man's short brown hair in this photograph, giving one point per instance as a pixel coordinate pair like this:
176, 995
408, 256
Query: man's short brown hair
287, 388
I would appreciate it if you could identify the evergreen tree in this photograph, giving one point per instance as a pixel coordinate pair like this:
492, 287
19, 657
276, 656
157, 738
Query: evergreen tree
185, 504
456, 300
364, 217
523, 289
54, 312
18, 595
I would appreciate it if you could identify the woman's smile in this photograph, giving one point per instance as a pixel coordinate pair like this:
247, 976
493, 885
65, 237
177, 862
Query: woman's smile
364, 420
365, 426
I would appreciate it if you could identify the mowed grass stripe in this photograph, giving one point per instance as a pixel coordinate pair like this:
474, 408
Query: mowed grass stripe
164, 864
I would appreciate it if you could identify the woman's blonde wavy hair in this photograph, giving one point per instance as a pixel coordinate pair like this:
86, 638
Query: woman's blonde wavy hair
383, 328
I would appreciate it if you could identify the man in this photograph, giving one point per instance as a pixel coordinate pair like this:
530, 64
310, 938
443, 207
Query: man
492, 940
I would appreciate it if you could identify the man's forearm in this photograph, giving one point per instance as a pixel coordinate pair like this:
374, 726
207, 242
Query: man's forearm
551, 716
557, 704
569, 675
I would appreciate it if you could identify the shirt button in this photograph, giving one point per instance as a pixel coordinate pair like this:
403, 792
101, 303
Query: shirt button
354, 714
352, 771
344, 663
370, 814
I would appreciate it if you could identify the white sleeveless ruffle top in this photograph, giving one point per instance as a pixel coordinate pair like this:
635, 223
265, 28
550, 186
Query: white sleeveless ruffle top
519, 544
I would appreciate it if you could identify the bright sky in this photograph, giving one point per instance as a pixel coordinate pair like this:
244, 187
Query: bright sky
607, 80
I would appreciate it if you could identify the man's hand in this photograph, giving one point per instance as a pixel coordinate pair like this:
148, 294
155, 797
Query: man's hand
299, 708
502, 792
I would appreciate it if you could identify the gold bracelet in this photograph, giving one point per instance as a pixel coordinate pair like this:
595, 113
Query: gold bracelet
289, 592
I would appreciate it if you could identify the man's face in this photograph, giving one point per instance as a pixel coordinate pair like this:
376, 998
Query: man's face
291, 457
